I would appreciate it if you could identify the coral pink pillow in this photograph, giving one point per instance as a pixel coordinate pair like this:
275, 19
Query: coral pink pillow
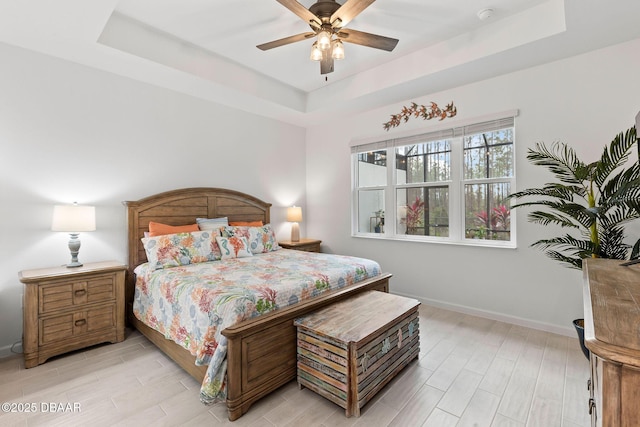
158, 229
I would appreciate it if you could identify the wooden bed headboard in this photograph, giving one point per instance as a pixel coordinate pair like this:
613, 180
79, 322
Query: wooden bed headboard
181, 207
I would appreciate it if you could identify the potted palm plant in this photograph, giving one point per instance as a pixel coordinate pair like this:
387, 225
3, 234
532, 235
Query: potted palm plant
593, 200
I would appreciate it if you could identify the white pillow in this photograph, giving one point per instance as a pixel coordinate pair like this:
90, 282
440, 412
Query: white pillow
212, 223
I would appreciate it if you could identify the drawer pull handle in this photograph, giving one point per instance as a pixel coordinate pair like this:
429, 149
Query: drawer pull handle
589, 384
592, 406
80, 292
81, 322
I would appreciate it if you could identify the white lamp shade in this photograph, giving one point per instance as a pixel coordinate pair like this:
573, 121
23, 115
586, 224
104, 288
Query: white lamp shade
294, 214
73, 218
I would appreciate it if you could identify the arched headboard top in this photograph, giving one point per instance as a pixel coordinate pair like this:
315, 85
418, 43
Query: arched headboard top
183, 206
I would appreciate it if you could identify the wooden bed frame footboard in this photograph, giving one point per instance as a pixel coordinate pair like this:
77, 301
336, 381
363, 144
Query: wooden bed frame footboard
261, 352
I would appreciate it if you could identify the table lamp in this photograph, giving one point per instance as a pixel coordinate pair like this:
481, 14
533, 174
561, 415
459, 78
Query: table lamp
73, 219
294, 215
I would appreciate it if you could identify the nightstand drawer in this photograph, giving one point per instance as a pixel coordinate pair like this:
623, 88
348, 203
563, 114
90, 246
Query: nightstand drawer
306, 245
72, 325
68, 309
59, 295
312, 248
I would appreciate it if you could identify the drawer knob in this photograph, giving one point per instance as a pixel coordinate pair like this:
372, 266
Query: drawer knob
81, 322
80, 292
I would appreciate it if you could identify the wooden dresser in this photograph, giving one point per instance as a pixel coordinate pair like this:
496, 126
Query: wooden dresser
67, 309
612, 334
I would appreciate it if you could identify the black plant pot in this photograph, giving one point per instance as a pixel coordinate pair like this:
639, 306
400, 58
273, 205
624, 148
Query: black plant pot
579, 325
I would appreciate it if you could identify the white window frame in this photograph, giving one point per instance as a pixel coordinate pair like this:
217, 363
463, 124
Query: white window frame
456, 183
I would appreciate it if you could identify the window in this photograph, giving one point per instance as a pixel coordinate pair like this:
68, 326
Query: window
444, 186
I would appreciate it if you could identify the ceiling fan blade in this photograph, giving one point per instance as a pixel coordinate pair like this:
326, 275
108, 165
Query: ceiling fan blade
286, 40
326, 64
302, 12
348, 11
368, 39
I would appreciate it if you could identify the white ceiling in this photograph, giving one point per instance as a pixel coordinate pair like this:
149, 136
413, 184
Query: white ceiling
233, 28
206, 48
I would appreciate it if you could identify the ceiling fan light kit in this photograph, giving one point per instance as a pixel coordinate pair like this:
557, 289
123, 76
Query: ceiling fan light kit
324, 39
327, 19
316, 52
337, 52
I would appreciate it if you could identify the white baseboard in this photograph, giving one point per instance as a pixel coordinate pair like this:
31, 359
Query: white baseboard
487, 314
10, 350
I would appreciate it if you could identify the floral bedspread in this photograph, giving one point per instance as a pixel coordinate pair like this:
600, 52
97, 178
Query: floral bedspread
192, 304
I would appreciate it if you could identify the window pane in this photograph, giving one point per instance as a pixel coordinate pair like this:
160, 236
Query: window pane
372, 168
371, 211
424, 162
417, 179
487, 215
423, 211
489, 155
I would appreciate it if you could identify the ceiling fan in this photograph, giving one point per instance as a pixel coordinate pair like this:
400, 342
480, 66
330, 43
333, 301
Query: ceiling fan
327, 19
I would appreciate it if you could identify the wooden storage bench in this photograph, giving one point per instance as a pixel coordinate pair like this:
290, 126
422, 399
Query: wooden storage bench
350, 350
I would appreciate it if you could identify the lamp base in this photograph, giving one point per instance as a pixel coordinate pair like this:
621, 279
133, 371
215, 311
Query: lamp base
73, 265
74, 248
295, 232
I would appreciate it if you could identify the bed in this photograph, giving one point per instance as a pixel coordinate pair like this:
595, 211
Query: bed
261, 351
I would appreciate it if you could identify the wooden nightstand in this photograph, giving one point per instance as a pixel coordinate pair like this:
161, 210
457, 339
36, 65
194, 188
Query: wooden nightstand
67, 309
307, 245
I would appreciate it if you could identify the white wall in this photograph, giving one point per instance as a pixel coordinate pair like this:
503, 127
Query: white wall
71, 133
584, 101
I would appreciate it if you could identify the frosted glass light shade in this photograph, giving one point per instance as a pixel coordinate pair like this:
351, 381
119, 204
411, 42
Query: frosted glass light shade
73, 218
294, 214
316, 53
324, 40
338, 50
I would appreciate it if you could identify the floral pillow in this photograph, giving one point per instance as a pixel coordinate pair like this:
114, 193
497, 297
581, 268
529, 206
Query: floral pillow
233, 247
261, 239
172, 250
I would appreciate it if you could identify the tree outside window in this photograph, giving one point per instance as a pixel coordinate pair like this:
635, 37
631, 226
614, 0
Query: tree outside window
487, 169
449, 185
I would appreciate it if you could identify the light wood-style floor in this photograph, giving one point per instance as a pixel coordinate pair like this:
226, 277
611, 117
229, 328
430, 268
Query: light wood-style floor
471, 372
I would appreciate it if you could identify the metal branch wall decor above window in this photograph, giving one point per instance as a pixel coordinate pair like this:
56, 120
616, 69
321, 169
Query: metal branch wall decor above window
427, 113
